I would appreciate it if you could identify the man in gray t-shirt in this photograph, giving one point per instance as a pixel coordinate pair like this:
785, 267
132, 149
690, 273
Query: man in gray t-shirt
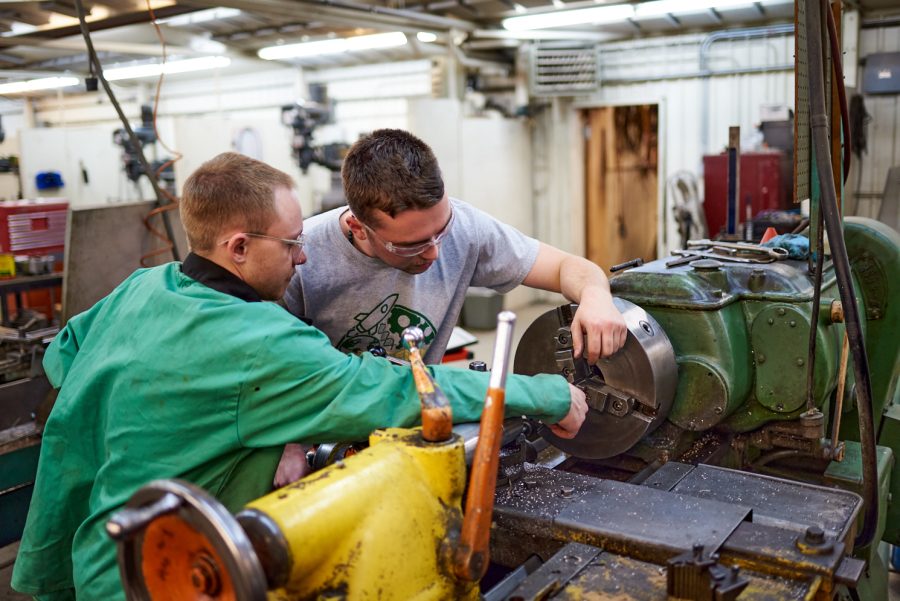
358, 300
404, 253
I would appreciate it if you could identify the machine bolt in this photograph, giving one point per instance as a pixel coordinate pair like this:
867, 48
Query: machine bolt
760, 358
792, 323
698, 551
781, 311
735, 571
757, 280
836, 312
770, 321
567, 491
779, 407
800, 361
815, 535
718, 410
478, 366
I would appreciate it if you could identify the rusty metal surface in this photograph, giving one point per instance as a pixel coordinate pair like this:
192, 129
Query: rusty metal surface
776, 551
776, 502
612, 577
556, 573
628, 518
668, 475
651, 523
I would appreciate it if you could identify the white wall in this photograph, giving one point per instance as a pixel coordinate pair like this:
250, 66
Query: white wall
199, 116
485, 161
695, 113
883, 130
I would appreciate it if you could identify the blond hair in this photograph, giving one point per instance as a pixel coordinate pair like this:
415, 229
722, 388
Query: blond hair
230, 190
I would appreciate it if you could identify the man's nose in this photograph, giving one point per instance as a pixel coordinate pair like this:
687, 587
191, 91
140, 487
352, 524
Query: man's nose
300, 257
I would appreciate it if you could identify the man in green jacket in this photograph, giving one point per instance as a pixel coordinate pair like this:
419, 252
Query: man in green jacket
181, 372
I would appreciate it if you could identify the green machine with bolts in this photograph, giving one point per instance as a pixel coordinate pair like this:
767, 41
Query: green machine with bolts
748, 378
715, 372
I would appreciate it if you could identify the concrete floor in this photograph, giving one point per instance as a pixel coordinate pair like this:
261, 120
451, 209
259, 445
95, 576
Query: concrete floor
483, 351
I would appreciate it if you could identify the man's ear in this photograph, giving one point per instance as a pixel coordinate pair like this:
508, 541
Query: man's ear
359, 232
237, 248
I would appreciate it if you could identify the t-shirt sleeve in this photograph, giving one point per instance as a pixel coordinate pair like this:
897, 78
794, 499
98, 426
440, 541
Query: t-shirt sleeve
505, 255
293, 296
301, 388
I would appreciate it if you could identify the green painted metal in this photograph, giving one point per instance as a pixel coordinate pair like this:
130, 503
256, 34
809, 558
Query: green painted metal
874, 251
740, 335
890, 437
847, 475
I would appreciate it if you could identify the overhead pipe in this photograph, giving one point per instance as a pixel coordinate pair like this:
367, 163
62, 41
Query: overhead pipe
732, 34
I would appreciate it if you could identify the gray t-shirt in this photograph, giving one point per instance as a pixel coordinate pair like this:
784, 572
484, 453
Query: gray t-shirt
358, 300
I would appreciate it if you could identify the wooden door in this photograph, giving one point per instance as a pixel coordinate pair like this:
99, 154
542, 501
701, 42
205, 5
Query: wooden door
621, 183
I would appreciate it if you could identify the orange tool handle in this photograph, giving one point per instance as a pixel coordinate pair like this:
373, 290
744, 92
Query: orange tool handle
472, 554
437, 416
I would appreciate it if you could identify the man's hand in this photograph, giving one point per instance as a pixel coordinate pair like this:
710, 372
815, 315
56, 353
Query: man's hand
293, 465
598, 319
568, 426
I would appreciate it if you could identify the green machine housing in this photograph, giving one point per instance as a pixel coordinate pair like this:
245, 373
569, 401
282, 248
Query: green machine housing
740, 333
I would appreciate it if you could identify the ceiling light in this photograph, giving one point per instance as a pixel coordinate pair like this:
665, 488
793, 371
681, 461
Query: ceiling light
33, 85
583, 16
171, 67
19, 28
426, 36
664, 7
201, 16
335, 46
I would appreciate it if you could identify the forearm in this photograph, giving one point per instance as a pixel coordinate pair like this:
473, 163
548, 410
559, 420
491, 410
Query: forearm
578, 276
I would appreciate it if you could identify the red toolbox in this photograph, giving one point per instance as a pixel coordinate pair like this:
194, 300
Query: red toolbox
33, 227
761, 184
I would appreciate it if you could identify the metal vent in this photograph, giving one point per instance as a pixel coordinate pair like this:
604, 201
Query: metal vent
565, 71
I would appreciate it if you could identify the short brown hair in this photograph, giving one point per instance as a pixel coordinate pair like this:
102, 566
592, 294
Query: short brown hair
227, 191
390, 170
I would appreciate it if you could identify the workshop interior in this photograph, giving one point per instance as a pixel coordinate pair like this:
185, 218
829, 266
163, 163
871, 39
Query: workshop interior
732, 165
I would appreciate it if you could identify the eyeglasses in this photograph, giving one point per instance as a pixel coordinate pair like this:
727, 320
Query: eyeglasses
412, 250
296, 245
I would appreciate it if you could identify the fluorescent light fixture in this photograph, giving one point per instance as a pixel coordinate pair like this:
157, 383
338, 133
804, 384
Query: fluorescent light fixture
582, 16
201, 16
34, 85
663, 7
169, 68
19, 28
335, 46
426, 36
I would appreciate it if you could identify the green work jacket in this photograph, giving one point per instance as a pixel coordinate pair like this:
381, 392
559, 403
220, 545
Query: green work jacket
168, 378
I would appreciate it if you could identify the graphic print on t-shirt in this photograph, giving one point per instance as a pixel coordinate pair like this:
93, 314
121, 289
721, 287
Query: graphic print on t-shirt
383, 325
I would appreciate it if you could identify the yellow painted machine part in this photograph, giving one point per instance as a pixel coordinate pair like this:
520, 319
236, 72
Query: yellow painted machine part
382, 524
